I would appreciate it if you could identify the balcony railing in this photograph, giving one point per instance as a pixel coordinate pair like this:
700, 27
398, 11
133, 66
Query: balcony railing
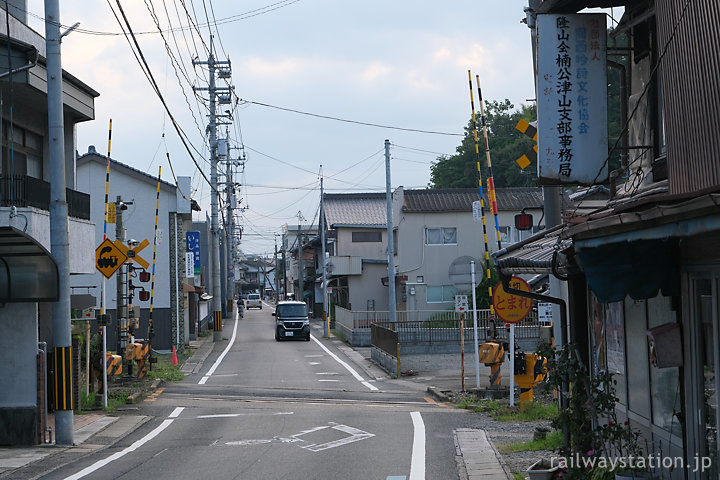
25, 191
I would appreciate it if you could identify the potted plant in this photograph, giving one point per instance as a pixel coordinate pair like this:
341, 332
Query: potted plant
597, 445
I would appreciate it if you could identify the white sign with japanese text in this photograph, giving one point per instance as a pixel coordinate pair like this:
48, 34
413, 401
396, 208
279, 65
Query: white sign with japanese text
572, 99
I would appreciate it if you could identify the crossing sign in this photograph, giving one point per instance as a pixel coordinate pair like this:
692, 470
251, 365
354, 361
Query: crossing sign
108, 258
132, 253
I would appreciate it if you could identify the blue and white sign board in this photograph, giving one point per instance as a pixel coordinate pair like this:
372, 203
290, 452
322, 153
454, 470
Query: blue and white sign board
193, 245
572, 99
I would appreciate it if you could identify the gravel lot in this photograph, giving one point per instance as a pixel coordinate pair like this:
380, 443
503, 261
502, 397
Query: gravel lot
503, 433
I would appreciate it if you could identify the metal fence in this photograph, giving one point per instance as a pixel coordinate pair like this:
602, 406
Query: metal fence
433, 326
26, 191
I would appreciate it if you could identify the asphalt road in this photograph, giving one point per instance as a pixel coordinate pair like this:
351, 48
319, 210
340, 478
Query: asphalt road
261, 409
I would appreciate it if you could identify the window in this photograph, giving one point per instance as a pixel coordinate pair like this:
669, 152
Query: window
441, 236
441, 294
366, 237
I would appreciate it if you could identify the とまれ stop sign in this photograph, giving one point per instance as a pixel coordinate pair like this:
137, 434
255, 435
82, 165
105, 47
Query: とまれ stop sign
512, 308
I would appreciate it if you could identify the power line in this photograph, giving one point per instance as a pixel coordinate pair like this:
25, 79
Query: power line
337, 119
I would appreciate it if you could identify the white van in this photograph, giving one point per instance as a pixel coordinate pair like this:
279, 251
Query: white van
253, 301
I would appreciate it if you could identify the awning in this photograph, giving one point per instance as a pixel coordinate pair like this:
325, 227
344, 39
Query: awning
545, 253
639, 269
28, 273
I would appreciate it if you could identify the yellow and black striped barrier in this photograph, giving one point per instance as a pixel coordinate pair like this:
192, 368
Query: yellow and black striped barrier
114, 365
62, 364
491, 354
217, 321
142, 357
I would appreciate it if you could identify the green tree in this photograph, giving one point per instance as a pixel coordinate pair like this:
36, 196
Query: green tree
506, 145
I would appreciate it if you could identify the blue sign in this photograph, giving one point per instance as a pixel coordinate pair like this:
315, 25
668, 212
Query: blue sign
193, 245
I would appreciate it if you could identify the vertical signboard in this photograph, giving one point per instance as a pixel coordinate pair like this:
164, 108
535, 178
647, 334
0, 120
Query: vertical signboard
193, 245
572, 99
189, 265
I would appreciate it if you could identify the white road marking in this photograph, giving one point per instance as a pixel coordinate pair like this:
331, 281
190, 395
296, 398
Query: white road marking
325, 373
176, 412
229, 415
221, 357
326, 380
314, 356
314, 363
347, 367
101, 463
417, 461
354, 435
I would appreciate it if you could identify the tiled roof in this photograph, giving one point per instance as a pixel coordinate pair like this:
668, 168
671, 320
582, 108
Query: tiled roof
355, 209
460, 199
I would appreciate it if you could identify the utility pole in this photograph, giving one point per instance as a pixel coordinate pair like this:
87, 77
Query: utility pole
59, 243
391, 248
299, 262
323, 261
230, 225
277, 275
214, 91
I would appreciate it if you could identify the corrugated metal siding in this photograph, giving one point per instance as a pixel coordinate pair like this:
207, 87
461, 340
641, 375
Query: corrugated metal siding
690, 75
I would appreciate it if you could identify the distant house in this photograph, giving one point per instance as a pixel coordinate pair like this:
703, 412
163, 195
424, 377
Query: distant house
357, 223
434, 227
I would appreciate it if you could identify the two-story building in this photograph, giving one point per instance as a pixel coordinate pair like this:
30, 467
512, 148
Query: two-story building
29, 273
644, 301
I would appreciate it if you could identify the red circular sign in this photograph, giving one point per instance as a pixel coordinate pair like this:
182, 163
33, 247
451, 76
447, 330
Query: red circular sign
512, 308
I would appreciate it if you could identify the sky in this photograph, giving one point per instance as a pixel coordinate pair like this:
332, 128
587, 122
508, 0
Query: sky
401, 64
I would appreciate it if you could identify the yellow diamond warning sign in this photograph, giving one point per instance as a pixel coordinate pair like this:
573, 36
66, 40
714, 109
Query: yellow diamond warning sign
108, 258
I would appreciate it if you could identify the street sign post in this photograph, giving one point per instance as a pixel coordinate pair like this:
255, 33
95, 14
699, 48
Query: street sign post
512, 309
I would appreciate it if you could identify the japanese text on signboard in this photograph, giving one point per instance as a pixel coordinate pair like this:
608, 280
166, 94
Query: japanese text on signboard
572, 99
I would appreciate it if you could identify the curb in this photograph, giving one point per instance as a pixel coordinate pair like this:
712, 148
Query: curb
439, 394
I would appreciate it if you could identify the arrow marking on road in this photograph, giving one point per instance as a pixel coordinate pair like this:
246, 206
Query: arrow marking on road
354, 435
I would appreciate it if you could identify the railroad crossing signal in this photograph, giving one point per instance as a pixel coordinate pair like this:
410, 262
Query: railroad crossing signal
108, 258
529, 130
132, 253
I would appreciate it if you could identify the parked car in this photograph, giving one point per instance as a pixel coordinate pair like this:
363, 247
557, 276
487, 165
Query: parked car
291, 321
253, 301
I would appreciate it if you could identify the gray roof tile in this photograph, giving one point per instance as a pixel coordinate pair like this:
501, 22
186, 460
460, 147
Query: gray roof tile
460, 199
355, 209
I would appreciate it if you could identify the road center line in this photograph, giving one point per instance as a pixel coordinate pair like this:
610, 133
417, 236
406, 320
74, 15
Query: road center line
101, 463
417, 461
221, 357
347, 367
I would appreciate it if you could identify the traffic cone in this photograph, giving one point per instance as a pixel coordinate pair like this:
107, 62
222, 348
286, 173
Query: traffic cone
174, 357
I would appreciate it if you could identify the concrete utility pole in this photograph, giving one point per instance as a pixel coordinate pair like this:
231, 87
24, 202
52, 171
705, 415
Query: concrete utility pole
392, 304
277, 276
61, 329
300, 275
323, 261
214, 91
229, 229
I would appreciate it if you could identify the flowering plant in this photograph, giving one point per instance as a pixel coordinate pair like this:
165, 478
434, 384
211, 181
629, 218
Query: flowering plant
588, 419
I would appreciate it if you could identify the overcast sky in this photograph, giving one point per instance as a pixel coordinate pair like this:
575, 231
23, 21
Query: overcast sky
400, 64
